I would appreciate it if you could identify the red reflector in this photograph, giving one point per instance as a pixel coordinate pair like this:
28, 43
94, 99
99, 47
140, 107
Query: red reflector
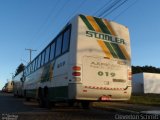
76, 68
129, 78
76, 73
104, 98
84, 90
129, 73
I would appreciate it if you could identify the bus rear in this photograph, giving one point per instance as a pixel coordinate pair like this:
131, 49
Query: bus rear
103, 60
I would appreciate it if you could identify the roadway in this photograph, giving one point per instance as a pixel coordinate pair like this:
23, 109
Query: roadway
18, 109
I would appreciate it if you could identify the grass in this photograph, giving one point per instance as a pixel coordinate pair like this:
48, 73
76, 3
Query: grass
146, 99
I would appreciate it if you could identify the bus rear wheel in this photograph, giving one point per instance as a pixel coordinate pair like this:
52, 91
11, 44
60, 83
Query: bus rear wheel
71, 103
43, 98
85, 104
40, 98
25, 96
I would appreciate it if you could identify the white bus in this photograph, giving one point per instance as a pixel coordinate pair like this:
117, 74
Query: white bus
9, 86
89, 60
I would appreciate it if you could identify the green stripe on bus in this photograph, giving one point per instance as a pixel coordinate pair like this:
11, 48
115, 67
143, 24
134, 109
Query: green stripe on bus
31, 93
102, 25
118, 51
87, 22
111, 49
54, 93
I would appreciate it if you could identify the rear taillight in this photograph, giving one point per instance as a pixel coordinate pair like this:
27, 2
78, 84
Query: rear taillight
76, 74
129, 78
76, 68
129, 74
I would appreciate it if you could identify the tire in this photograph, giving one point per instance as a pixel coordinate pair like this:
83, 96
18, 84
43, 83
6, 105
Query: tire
25, 95
47, 102
71, 103
41, 102
14, 95
85, 104
40, 98
27, 99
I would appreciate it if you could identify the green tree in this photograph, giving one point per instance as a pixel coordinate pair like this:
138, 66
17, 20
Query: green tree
149, 69
19, 69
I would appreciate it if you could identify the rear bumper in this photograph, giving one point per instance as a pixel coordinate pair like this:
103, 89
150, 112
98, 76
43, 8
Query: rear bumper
97, 93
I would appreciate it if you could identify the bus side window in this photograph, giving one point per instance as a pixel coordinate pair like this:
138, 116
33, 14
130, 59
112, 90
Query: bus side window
28, 69
47, 54
66, 39
32, 64
42, 58
58, 45
35, 66
39, 61
52, 51
25, 72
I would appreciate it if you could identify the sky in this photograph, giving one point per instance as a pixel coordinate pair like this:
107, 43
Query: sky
34, 23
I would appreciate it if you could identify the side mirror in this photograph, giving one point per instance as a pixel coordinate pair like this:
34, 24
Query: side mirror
22, 79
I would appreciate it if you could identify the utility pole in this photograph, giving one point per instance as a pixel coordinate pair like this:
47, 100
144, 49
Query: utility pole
30, 52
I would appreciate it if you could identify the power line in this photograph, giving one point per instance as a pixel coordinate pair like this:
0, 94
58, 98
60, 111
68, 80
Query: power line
57, 15
68, 18
74, 12
109, 7
102, 7
125, 9
44, 22
115, 8
35, 37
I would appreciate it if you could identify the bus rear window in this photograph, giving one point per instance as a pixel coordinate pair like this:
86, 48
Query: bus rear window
42, 58
39, 61
52, 51
66, 38
47, 54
